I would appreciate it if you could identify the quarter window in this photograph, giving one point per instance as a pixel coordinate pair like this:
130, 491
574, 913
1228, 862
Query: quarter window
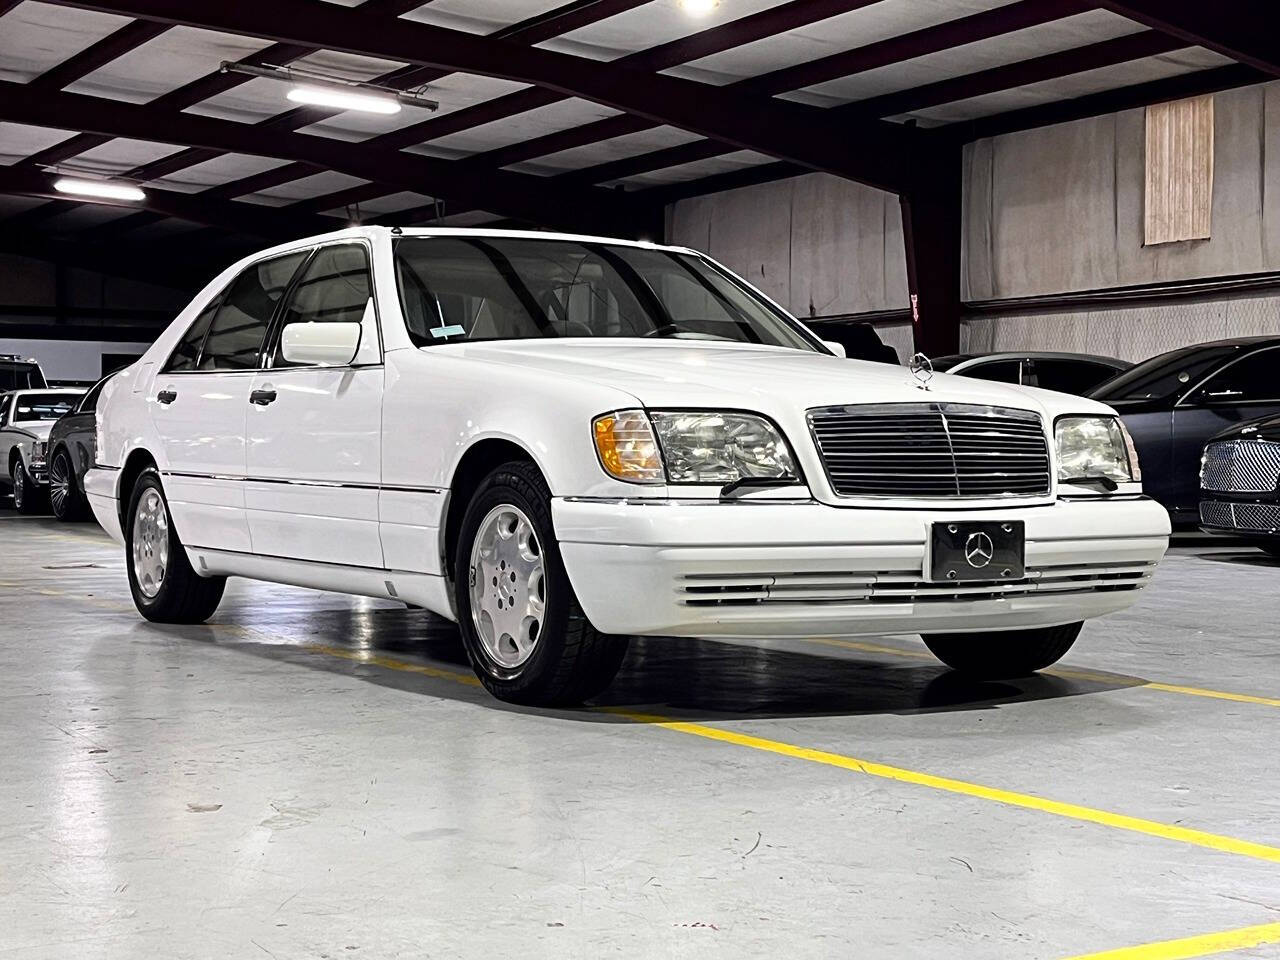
240, 323
333, 288
187, 353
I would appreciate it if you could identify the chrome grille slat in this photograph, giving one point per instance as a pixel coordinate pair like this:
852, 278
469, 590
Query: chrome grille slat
902, 586
1241, 466
1253, 517
932, 451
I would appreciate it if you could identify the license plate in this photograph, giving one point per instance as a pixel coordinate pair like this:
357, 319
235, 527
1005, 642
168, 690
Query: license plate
977, 551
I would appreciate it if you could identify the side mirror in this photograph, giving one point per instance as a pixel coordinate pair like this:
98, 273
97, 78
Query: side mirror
320, 344
836, 348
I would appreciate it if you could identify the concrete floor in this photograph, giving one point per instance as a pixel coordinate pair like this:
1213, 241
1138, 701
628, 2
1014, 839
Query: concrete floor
312, 775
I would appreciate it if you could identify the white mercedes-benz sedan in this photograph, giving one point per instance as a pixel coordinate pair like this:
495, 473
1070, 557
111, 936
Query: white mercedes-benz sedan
560, 442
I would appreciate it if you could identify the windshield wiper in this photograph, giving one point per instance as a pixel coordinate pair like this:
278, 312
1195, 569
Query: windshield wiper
1105, 482
743, 483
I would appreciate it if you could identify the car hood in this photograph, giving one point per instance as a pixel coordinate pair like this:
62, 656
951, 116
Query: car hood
36, 428
1265, 428
674, 373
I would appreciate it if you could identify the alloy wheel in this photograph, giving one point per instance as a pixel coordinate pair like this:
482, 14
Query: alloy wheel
150, 542
59, 484
508, 586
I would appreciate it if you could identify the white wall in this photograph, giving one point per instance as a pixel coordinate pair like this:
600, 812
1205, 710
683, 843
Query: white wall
69, 359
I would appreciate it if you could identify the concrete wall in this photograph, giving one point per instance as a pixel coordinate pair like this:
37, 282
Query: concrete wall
1059, 209
1052, 211
31, 289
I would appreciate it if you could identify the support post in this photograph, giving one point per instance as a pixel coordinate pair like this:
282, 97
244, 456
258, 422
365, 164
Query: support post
931, 227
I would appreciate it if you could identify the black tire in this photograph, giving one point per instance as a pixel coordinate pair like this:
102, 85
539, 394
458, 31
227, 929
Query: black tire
571, 661
1003, 655
71, 505
1272, 548
183, 595
27, 496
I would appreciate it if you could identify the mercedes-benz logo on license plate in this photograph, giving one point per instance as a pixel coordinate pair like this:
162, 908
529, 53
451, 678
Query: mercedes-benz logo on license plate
978, 550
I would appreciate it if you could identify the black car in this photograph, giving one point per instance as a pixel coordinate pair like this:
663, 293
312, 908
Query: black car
1173, 403
1076, 373
1240, 483
72, 442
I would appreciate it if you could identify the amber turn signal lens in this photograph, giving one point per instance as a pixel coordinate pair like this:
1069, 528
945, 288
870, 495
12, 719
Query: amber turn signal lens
627, 447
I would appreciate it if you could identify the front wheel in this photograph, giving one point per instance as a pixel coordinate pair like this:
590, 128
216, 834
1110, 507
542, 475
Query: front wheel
165, 588
1003, 655
65, 498
26, 497
526, 637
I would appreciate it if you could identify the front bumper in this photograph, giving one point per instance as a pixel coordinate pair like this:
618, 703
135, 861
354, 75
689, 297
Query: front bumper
760, 569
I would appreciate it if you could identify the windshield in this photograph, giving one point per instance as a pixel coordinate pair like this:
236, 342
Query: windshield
503, 288
1166, 375
44, 406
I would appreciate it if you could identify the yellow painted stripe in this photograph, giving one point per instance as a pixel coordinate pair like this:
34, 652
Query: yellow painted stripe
362, 656
1151, 828
1202, 946
1114, 679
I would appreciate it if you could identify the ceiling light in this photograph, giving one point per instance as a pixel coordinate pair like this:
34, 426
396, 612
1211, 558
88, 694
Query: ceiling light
699, 8
336, 93
342, 99
99, 188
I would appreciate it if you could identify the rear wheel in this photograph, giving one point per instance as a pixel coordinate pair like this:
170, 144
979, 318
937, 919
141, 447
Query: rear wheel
1005, 654
165, 588
26, 495
65, 497
525, 634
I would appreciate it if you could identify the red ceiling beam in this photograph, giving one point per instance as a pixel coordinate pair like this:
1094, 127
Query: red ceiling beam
1244, 30
874, 154
526, 197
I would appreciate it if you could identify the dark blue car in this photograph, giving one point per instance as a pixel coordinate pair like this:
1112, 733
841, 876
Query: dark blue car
1173, 404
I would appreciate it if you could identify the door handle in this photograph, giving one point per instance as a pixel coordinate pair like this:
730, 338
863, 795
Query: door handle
167, 396
262, 397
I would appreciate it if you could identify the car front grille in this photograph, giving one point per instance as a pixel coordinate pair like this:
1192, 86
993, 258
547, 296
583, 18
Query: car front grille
1241, 466
932, 450
1253, 517
902, 586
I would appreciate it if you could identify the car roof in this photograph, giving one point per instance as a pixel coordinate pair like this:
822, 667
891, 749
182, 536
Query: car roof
369, 232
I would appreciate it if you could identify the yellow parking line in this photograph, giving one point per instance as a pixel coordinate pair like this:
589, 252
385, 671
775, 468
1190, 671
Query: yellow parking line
1113, 679
1151, 828
1189, 947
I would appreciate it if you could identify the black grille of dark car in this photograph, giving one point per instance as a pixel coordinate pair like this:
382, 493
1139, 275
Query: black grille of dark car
932, 450
1241, 466
1253, 517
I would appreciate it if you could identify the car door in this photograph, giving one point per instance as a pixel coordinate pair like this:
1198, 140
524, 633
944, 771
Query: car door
1246, 388
200, 399
315, 432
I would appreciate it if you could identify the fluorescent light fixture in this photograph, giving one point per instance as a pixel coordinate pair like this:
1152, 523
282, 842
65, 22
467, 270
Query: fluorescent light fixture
699, 8
99, 188
342, 99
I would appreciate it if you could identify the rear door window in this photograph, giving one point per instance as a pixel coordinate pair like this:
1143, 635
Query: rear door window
240, 323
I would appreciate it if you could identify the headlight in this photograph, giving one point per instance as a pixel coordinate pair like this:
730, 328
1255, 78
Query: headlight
37, 451
691, 447
1092, 447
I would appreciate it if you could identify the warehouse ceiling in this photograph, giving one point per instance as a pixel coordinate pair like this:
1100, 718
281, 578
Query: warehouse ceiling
584, 115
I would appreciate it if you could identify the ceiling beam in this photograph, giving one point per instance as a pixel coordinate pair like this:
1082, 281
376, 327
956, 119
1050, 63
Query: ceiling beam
1244, 30
129, 37
1184, 85
985, 25
186, 273
529, 198
1106, 53
874, 154
227, 215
